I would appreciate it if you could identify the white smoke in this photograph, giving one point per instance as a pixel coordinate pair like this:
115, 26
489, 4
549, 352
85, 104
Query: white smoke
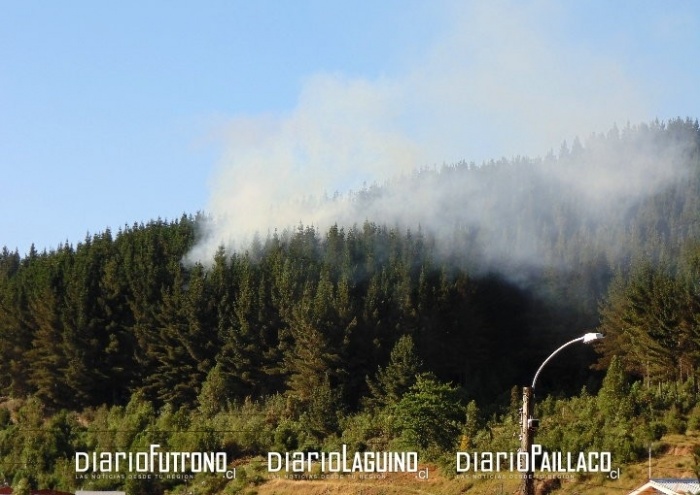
496, 83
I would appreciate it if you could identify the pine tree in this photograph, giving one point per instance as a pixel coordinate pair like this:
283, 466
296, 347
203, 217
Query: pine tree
392, 382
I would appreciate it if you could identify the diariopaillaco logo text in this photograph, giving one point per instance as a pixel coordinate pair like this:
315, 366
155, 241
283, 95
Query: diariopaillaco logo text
537, 457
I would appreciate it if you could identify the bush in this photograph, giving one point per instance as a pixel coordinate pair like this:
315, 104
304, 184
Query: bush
674, 422
657, 429
694, 419
429, 416
286, 436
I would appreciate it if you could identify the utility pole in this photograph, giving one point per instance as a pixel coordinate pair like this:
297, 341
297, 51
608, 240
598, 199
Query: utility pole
528, 424
527, 486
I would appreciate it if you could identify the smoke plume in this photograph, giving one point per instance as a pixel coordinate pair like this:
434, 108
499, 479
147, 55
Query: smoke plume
499, 81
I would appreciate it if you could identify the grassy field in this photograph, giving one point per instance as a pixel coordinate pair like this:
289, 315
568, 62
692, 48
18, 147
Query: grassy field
672, 459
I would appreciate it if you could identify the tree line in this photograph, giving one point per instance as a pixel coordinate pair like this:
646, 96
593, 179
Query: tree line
121, 315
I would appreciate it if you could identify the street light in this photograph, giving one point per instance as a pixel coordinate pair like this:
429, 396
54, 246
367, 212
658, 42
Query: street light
528, 424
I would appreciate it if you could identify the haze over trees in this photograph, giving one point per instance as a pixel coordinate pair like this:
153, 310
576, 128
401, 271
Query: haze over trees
323, 332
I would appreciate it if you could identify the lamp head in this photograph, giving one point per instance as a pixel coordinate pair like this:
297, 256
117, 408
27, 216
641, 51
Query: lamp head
591, 336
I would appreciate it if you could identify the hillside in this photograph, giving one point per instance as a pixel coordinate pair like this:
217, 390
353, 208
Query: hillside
410, 329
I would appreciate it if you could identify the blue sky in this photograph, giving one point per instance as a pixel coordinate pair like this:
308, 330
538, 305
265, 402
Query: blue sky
115, 113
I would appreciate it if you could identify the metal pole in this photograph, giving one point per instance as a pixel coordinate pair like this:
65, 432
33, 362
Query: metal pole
526, 435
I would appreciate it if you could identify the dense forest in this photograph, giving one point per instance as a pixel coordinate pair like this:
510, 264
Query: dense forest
316, 331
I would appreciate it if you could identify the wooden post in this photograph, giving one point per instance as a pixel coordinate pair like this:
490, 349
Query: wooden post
526, 434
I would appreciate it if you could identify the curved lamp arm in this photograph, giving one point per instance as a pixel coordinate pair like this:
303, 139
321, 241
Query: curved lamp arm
589, 337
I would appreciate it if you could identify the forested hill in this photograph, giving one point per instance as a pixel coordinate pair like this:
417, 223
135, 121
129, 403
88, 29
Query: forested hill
511, 259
